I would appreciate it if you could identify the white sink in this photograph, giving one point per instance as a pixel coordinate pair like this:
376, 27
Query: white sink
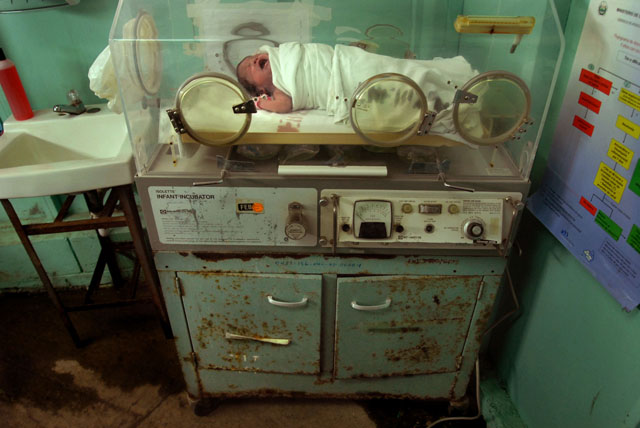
52, 154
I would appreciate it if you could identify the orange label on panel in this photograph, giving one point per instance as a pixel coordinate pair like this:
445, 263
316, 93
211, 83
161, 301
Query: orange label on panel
595, 81
589, 102
583, 125
588, 206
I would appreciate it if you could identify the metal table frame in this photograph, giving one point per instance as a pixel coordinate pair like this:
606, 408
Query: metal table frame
102, 218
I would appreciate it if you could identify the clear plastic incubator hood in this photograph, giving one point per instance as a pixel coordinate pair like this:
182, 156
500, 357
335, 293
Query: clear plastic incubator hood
458, 86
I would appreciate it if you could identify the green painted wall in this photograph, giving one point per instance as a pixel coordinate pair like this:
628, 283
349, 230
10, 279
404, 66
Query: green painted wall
572, 357
53, 51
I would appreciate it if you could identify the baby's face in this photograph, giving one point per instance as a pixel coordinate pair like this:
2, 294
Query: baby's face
256, 69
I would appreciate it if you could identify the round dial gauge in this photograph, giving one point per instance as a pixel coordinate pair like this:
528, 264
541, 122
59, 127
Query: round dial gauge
372, 219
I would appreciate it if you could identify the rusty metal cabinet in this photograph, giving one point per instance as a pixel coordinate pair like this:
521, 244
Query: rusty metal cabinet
401, 325
236, 321
328, 326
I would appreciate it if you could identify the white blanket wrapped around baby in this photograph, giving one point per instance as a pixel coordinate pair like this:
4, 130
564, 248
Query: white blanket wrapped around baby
318, 76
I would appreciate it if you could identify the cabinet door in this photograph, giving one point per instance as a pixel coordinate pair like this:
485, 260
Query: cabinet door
237, 320
401, 325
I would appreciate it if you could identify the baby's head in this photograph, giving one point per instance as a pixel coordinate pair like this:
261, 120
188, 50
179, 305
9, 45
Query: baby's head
254, 73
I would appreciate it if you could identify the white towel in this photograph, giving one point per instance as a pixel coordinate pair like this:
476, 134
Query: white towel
317, 76
302, 71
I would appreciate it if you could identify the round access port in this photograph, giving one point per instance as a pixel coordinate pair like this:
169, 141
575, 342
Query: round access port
453, 209
429, 228
345, 227
399, 228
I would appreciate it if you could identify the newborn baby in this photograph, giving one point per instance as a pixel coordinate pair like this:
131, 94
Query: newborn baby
296, 76
254, 73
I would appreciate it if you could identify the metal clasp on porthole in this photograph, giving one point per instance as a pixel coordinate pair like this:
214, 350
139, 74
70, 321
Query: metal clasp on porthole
246, 107
464, 97
427, 122
176, 121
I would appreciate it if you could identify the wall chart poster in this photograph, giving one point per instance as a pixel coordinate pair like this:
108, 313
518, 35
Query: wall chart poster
590, 195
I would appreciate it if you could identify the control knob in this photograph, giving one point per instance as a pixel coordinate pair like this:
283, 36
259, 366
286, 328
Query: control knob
295, 228
473, 229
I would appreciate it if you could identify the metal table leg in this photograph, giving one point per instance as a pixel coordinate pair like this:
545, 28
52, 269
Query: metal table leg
37, 264
123, 195
128, 206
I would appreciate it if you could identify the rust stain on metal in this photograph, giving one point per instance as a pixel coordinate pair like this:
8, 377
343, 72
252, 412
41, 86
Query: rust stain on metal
395, 329
214, 257
273, 392
425, 353
433, 261
35, 210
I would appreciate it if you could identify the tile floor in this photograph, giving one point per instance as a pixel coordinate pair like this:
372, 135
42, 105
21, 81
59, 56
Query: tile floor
129, 376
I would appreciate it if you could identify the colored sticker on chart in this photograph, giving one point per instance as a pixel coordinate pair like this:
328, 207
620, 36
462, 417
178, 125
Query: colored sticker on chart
590, 102
595, 81
620, 153
630, 99
583, 125
610, 182
634, 238
588, 206
628, 126
609, 226
634, 184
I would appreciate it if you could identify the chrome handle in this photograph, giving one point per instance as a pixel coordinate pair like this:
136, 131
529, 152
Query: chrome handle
516, 207
442, 177
282, 304
334, 200
358, 307
233, 336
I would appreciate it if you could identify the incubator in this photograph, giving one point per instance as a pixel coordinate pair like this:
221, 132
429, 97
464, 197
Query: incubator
187, 113
354, 247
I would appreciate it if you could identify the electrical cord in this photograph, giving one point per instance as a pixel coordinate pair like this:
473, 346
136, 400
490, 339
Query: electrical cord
510, 313
465, 418
502, 319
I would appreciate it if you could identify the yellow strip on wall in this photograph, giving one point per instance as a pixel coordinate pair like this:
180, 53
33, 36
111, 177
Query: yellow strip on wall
627, 126
620, 153
610, 182
630, 99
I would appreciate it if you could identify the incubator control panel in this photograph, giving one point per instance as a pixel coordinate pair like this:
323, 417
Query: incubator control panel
341, 218
235, 216
384, 218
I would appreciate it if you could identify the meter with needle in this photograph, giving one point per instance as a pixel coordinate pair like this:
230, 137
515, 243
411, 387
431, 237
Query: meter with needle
372, 219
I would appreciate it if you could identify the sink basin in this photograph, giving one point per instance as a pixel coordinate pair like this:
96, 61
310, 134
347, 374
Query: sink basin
55, 153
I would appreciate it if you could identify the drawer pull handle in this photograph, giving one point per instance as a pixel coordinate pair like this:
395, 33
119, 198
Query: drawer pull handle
358, 307
234, 336
299, 304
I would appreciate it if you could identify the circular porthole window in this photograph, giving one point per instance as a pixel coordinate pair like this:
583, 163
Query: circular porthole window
501, 106
387, 109
204, 104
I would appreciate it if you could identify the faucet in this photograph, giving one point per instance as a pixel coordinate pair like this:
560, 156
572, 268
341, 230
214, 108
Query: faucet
75, 106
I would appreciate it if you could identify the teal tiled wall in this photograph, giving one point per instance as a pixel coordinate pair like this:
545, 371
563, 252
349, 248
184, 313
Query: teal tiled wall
572, 356
53, 50
569, 360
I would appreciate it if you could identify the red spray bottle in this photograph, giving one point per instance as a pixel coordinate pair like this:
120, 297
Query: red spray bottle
13, 90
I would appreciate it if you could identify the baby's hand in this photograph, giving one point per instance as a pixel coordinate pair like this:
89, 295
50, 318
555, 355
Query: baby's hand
278, 102
256, 100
